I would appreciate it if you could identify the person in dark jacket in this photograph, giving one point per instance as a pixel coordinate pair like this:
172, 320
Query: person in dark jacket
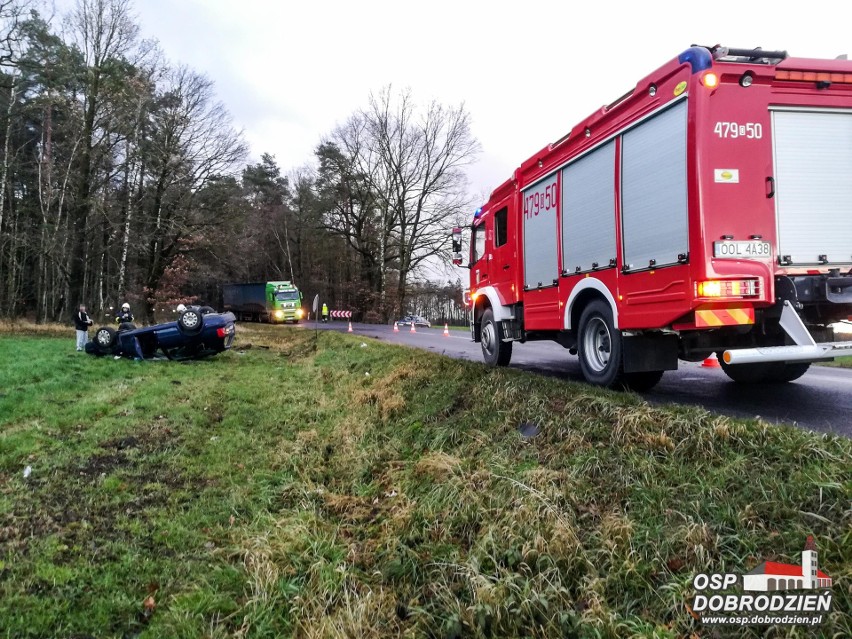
82, 322
124, 315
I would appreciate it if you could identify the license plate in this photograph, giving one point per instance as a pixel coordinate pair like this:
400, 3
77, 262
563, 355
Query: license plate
742, 250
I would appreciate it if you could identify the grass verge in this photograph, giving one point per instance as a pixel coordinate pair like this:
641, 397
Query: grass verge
840, 362
362, 489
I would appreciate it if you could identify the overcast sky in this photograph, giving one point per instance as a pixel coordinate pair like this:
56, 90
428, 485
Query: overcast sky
290, 71
527, 71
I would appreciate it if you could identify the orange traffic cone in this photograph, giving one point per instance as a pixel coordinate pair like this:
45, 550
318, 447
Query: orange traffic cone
413, 330
395, 328
350, 328
446, 330
712, 362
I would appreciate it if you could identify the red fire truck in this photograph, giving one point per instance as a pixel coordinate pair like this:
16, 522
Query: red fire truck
708, 210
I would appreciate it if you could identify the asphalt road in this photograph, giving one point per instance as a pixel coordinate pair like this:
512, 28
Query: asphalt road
821, 400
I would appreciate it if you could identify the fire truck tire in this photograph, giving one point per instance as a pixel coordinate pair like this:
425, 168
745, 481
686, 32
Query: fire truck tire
789, 372
764, 373
599, 347
495, 351
641, 382
746, 373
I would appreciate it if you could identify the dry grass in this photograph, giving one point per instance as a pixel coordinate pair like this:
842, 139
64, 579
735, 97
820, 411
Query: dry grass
437, 465
23, 327
387, 394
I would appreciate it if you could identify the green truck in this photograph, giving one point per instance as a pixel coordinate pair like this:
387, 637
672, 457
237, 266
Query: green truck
274, 302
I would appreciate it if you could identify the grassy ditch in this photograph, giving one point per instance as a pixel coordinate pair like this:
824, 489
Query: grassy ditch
363, 489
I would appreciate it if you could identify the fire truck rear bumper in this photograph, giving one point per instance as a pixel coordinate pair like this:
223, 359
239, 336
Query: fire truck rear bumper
804, 350
816, 352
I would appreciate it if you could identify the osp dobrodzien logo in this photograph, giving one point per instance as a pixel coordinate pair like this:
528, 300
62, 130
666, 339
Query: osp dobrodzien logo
771, 594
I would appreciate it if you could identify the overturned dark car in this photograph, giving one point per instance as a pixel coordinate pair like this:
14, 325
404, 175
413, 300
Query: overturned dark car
198, 332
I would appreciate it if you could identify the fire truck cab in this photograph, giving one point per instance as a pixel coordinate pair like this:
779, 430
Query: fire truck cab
706, 211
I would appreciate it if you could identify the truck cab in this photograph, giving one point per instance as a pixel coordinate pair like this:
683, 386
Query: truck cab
285, 302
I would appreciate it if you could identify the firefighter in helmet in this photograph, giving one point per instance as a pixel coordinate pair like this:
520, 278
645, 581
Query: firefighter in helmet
124, 315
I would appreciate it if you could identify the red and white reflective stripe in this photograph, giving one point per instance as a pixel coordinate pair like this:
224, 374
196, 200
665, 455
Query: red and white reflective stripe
342, 314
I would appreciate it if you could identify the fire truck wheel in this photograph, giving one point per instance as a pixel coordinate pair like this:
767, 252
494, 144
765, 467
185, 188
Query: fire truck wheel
495, 351
641, 382
599, 347
764, 373
789, 372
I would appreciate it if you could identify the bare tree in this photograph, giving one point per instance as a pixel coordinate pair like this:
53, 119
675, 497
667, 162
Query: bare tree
12, 13
193, 143
413, 161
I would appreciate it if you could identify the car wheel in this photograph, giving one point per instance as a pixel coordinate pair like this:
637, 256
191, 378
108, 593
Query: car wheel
599, 347
104, 339
190, 322
495, 351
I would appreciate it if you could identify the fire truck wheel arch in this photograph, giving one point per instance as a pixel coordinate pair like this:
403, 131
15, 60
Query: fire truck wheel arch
500, 311
587, 285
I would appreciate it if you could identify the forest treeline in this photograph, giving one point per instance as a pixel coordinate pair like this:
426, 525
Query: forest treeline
124, 178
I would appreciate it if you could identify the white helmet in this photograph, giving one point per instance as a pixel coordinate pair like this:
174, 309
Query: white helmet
181, 308
125, 307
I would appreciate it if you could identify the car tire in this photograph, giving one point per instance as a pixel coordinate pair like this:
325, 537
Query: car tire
495, 351
206, 310
104, 339
599, 348
126, 326
190, 322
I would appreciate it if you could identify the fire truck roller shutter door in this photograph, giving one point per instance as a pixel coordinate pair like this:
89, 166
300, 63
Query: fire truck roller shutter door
813, 162
588, 211
540, 244
653, 190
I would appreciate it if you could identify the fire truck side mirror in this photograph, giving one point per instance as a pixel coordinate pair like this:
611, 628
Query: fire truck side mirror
457, 246
457, 256
457, 241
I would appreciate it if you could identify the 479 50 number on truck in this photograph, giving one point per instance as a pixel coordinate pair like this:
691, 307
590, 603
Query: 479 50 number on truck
707, 210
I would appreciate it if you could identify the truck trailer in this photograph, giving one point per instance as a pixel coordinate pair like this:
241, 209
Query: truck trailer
274, 302
707, 212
